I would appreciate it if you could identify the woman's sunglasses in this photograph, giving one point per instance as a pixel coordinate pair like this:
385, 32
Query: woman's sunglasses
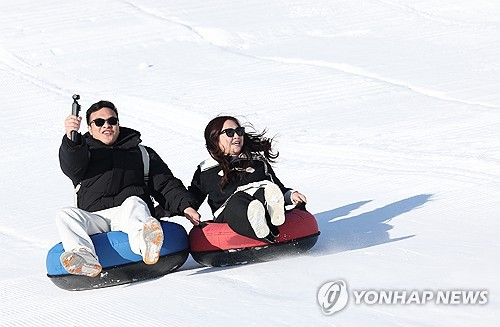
230, 131
99, 122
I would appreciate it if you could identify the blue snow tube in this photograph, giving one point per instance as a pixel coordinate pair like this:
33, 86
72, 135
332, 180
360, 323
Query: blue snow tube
119, 264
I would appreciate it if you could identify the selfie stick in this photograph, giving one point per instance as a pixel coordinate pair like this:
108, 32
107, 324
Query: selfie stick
75, 110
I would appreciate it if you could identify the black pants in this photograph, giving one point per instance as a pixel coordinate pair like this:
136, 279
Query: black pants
235, 214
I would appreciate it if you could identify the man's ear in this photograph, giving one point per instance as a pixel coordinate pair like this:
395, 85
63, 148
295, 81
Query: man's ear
90, 129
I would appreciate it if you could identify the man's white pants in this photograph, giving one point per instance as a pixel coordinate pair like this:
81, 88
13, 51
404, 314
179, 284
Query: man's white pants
75, 225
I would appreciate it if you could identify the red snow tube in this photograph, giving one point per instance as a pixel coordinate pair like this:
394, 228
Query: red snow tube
217, 245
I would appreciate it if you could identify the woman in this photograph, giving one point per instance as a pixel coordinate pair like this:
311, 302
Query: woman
241, 186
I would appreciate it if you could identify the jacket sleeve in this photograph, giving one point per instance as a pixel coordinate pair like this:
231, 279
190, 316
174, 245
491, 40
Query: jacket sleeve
74, 158
196, 189
176, 197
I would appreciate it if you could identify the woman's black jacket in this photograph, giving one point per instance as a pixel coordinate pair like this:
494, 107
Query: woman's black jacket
207, 179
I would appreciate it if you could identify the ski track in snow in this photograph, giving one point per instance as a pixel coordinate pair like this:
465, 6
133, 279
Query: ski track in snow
18, 67
356, 71
340, 67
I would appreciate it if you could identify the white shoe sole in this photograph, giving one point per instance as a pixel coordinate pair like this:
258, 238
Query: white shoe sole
77, 265
257, 217
153, 239
275, 204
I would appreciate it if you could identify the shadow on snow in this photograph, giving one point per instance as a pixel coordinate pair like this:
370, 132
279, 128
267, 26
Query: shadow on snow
365, 230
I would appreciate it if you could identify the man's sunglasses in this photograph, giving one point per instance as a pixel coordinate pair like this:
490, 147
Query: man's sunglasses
230, 131
99, 122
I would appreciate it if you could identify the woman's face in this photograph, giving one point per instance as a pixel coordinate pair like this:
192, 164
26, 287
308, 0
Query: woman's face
231, 145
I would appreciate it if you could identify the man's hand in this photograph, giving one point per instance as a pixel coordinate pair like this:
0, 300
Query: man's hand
192, 215
72, 123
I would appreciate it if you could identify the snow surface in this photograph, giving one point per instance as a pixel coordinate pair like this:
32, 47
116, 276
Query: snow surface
386, 115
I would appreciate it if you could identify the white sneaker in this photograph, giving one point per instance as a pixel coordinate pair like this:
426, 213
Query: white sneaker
275, 204
80, 262
257, 217
151, 241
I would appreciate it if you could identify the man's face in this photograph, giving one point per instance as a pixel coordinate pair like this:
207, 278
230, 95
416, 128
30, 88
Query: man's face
106, 133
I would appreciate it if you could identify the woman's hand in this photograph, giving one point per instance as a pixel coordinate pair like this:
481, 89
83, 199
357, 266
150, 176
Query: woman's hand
192, 215
298, 198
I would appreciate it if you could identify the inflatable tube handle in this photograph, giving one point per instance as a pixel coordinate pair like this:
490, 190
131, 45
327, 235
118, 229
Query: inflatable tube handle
202, 224
301, 206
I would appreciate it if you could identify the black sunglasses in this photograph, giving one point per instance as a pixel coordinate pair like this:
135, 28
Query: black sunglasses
230, 131
99, 122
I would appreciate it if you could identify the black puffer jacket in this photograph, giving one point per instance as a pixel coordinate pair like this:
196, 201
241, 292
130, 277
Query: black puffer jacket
206, 179
109, 174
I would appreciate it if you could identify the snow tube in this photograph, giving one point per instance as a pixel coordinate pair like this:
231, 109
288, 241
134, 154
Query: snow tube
217, 245
119, 264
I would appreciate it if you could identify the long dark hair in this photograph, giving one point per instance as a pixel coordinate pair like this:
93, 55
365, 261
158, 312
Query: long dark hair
253, 142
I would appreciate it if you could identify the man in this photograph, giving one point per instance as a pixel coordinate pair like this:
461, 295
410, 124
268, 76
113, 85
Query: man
107, 169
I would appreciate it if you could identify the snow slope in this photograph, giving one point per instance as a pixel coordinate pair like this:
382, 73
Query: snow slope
386, 115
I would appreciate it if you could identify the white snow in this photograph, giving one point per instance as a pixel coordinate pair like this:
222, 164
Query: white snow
386, 115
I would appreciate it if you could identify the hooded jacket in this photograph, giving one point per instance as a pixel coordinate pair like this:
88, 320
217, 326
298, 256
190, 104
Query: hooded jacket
109, 174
